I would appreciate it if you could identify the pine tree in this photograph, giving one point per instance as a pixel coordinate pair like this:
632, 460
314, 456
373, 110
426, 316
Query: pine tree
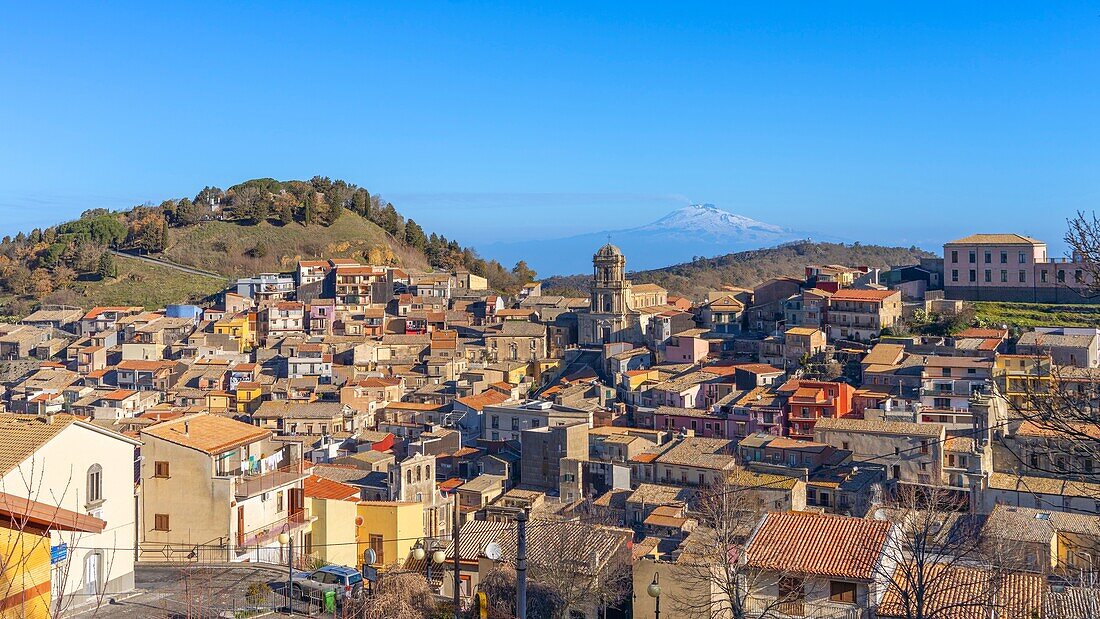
106, 267
414, 235
162, 242
307, 211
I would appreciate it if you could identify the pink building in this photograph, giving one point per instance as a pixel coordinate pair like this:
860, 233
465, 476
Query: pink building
1010, 267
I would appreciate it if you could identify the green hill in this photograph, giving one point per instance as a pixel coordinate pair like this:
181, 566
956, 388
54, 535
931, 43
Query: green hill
748, 268
234, 248
260, 225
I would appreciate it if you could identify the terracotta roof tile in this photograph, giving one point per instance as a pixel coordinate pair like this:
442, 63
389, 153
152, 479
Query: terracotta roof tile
818, 544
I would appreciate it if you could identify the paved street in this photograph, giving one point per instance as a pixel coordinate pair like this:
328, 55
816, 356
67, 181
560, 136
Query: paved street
197, 592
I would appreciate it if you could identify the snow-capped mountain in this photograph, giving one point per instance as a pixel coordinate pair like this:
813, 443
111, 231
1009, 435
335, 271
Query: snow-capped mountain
696, 230
714, 222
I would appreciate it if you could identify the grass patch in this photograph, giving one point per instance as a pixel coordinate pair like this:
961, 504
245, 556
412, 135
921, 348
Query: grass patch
1028, 315
233, 248
138, 283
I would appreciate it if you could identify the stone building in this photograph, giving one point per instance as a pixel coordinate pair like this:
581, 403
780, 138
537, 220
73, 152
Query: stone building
613, 314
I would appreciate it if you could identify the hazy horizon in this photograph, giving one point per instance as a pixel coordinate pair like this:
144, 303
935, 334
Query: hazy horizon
884, 123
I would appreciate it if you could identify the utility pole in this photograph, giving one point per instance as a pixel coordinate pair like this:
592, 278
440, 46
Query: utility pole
521, 564
456, 525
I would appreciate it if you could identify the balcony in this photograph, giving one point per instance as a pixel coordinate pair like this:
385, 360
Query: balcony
269, 533
760, 606
248, 486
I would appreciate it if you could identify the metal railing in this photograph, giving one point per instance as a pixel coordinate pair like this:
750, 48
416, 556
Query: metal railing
251, 485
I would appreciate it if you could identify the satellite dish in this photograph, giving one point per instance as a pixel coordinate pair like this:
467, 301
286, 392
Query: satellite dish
493, 551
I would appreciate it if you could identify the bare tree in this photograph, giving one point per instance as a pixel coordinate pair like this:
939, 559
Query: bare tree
396, 595
935, 565
715, 581
582, 564
499, 587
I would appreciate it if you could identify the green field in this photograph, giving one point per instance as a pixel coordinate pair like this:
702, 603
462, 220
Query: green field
1037, 314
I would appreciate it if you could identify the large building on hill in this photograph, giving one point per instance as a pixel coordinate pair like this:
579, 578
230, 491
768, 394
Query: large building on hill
1011, 267
615, 310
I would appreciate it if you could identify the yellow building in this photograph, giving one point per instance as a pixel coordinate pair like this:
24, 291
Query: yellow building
249, 397
238, 327
543, 370
332, 538
390, 528
1024, 380
25, 553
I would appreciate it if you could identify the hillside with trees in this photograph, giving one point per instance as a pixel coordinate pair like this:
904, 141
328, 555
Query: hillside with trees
260, 225
748, 268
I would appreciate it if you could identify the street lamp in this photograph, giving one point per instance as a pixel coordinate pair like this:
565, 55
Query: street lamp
438, 556
286, 540
654, 591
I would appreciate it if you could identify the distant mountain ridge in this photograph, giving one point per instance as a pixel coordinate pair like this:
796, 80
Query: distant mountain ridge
748, 268
686, 233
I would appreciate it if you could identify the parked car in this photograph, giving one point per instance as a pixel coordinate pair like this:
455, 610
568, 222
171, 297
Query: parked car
345, 581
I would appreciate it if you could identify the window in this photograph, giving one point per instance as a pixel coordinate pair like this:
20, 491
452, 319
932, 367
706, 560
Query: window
1004, 276
954, 275
95, 484
1043, 276
1061, 275
843, 592
160, 469
1023, 276
1078, 277
495, 422
1004, 257
160, 522
988, 276
1023, 257
844, 445
988, 257
924, 447
279, 506
973, 276
954, 255
897, 471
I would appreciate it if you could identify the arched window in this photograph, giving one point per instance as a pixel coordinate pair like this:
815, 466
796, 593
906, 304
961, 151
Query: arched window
427, 471
418, 478
409, 476
95, 483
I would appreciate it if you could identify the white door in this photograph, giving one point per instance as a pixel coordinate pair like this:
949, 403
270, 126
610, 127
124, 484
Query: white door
91, 573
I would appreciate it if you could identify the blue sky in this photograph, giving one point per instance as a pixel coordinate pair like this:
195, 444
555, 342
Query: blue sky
886, 122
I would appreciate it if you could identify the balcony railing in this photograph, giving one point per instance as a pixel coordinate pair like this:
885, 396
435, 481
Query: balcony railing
268, 533
758, 606
252, 485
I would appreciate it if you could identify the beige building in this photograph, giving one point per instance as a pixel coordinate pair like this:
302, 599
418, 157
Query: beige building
252, 485
861, 315
613, 312
68, 464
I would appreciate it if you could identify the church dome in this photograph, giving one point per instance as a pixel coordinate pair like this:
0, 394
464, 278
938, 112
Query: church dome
609, 251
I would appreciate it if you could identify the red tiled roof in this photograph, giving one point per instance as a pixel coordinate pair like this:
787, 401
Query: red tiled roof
818, 544
849, 294
316, 487
480, 401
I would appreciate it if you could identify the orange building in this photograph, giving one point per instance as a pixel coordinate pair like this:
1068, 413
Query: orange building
810, 400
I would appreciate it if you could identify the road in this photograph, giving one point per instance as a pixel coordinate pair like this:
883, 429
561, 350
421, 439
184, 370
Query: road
170, 265
197, 592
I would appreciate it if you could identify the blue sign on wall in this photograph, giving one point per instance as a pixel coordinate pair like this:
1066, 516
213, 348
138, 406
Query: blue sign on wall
59, 553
